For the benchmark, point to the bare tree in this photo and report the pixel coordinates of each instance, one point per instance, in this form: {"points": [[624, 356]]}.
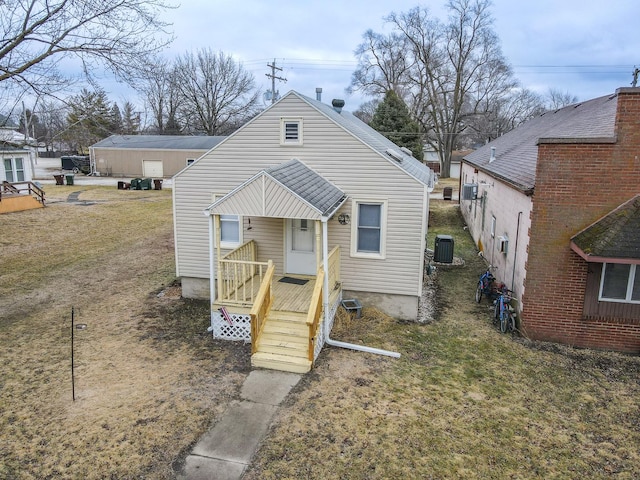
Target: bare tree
{"points": [[556, 99], [456, 72], [52, 114], [217, 94], [382, 65], [160, 90], [35, 35]]}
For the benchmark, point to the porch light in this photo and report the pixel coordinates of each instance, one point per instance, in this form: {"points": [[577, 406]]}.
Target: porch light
{"points": [[344, 219]]}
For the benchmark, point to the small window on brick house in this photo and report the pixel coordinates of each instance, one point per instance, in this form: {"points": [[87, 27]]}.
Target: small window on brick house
{"points": [[620, 283]]}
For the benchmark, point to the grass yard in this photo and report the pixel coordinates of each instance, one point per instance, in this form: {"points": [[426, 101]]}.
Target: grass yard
{"points": [[463, 401], [148, 379]]}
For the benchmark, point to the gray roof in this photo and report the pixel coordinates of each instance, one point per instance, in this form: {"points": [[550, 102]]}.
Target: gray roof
{"points": [[160, 142], [308, 185], [516, 152], [373, 139], [616, 235]]}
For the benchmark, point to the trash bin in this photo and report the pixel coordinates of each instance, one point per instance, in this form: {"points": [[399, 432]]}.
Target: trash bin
{"points": [[447, 193], [135, 184], [69, 179], [157, 184], [59, 179], [443, 249], [145, 184]]}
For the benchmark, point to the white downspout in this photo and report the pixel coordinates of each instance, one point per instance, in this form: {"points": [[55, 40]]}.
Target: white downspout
{"points": [[325, 303]]}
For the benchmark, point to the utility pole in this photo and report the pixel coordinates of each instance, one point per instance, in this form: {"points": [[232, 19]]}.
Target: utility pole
{"points": [[636, 71], [273, 78]]}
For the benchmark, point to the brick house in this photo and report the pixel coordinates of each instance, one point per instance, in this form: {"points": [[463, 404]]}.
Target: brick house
{"points": [[555, 206]]}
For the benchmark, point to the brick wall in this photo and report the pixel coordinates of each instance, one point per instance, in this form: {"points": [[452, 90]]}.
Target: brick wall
{"points": [[576, 184]]}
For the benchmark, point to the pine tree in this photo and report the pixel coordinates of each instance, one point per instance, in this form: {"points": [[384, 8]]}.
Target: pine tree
{"points": [[392, 119]]}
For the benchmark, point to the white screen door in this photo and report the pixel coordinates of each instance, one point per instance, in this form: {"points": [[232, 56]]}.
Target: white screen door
{"points": [[301, 253]]}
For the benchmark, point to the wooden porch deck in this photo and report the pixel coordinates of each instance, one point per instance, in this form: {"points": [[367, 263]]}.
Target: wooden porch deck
{"points": [[287, 297]]}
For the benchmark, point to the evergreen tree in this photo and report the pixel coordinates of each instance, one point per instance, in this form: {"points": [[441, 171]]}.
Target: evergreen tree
{"points": [[116, 119], [392, 119], [130, 120], [89, 119]]}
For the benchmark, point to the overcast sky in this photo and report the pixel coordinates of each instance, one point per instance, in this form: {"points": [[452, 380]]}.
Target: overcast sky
{"points": [[585, 47]]}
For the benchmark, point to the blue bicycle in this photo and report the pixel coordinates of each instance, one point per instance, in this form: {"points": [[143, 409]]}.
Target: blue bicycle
{"points": [[504, 312], [486, 285]]}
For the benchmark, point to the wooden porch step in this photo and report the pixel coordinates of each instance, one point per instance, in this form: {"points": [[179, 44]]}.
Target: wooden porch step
{"points": [[284, 328], [284, 347], [274, 337], [283, 363]]}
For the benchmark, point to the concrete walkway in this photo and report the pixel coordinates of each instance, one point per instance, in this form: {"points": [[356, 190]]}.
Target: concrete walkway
{"points": [[224, 452]]}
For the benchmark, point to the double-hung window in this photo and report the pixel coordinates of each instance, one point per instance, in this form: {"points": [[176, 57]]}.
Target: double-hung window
{"points": [[368, 231], [291, 131], [620, 283], [14, 169], [230, 229]]}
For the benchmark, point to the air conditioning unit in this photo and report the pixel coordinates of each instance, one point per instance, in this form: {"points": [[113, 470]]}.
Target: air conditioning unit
{"points": [[470, 191], [503, 244]]}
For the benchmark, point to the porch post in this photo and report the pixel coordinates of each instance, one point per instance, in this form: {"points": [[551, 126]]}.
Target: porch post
{"points": [[318, 245], [216, 219], [212, 268]]}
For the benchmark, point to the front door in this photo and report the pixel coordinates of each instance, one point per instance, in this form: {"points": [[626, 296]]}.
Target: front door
{"points": [[301, 252]]}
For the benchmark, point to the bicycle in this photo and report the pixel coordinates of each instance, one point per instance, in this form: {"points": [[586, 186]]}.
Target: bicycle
{"points": [[486, 284], [503, 312]]}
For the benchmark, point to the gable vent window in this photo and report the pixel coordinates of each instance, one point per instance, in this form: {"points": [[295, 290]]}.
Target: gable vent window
{"points": [[291, 131]]}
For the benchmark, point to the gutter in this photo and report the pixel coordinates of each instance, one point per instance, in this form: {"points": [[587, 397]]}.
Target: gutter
{"points": [[325, 304]]}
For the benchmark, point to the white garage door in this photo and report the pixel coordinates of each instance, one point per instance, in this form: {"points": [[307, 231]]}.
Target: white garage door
{"points": [[152, 168]]}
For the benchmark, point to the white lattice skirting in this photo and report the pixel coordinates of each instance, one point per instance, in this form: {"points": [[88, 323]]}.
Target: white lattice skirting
{"points": [[239, 329]]}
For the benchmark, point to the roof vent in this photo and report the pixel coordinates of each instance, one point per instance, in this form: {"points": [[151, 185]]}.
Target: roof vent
{"points": [[407, 151], [319, 94], [397, 156], [337, 104], [493, 154]]}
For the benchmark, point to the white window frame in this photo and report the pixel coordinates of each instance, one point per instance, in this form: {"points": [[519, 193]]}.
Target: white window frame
{"points": [[355, 204], [230, 218], [284, 121], [15, 171], [633, 271]]}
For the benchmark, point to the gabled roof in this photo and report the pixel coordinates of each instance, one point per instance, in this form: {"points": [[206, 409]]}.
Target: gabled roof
{"points": [[373, 139], [160, 142], [614, 236], [288, 190], [516, 152]]}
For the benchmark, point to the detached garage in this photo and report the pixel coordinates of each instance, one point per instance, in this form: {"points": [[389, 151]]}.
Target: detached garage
{"points": [[148, 156]]}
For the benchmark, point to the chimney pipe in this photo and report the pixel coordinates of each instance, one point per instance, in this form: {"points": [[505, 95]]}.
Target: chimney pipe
{"points": [[337, 104], [493, 154], [319, 94]]}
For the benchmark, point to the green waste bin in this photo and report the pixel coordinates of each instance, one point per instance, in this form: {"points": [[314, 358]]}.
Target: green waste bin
{"points": [[135, 184], [69, 179], [145, 184]]}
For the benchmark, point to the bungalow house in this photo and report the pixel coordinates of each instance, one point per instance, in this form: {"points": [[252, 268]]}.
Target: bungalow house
{"points": [[554, 206], [303, 205], [148, 156]]}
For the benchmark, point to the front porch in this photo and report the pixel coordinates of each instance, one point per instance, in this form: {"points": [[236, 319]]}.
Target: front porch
{"points": [[281, 315], [19, 196]]}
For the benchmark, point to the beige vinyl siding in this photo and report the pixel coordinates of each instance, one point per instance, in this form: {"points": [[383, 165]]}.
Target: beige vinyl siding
{"points": [[337, 156], [128, 162]]}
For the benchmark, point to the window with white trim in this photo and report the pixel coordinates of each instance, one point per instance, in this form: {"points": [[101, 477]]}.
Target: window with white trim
{"points": [[14, 169], [291, 131], [368, 229], [620, 282], [230, 229]]}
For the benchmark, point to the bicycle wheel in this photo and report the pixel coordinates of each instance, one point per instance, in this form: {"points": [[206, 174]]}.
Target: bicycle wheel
{"points": [[479, 292], [512, 322], [504, 320]]}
